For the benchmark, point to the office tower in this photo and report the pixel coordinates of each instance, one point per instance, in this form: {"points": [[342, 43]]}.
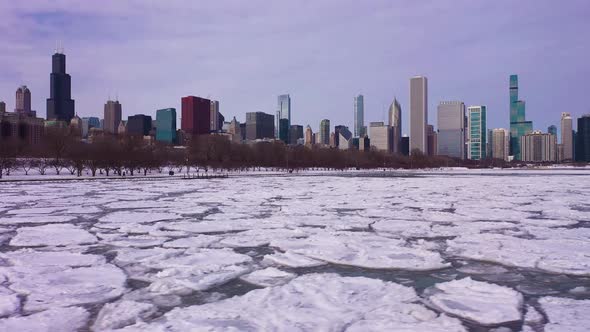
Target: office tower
{"points": [[518, 124], [538, 147], [431, 140], [122, 128], [345, 138], [418, 113], [76, 126], [113, 113], [308, 136], [405, 148], [60, 105], [259, 125], [325, 132], [395, 122], [295, 134], [567, 136], [23, 101], [2, 107], [196, 115], [500, 143], [552, 129], [166, 125], [583, 139], [451, 129], [139, 125], [235, 129], [359, 115], [215, 116], [20, 127], [332, 140], [283, 112], [477, 132], [381, 136], [284, 130], [364, 143], [337, 135]]}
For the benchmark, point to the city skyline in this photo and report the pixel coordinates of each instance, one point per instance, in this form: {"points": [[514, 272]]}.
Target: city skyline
{"points": [[379, 74]]}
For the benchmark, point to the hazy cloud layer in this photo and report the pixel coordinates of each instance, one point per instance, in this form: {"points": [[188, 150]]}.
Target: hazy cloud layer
{"points": [[245, 53]]}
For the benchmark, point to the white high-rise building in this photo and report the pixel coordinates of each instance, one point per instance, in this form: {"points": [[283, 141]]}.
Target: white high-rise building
{"points": [[567, 136], [381, 136], [451, 129], [418, 113], [500, 145]]}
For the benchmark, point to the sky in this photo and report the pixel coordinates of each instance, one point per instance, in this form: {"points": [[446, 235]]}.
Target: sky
{"points": [[323, 53]]}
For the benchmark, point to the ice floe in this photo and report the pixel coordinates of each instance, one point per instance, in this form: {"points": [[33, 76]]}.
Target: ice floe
{"points": [[51, 235], [268, 277], [122, 313], [53, 320], [566, 315], [481, 302]]}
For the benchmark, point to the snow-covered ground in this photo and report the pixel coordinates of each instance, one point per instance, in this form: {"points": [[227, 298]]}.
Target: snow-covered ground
{"points": [[438, 250]]}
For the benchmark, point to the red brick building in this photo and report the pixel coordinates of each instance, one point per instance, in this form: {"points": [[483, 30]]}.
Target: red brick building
{"points": [[196, 115]]}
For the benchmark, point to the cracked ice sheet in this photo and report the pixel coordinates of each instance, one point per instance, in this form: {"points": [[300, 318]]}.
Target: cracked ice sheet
{"points": [[315, 302], [51, 235], [481, 302], [363, 250], [566, 315], [553, 255]]}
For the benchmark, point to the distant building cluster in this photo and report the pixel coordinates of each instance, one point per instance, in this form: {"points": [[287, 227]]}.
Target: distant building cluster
{"points": [[461, 133]]}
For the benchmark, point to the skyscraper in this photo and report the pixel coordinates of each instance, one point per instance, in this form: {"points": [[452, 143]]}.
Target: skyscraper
{"points": [[284, 130], [518, 124], [477, 132], [552, 129], [166, 125], [113, 113], [381, 136], [23, 101], [418, 113], [583, 139], [2, 107], [325, 132], [308, 136], [345, 138], [431, 141], [395, 122], [359, 115], [60, 105], [451, 129], [283, 112], [235, 129], [295, 134], [139, 125], [196, 115], [500, 144], [567, 137], [259, 125], [215, 116], [538, 147]]}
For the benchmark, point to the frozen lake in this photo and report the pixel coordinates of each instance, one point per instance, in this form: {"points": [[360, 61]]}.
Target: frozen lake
{"points": [[455, 251]]}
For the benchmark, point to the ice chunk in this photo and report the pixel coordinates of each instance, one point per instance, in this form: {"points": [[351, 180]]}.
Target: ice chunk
{"points": [[9, 302], [199, 241], [51, 288], [291, 259], [51, 235], [481, 302], [49, 258], [35, 219], [138, 241], [120, 314], [363, 250], [138, 217], [315, 302], [53, 320], [566, 315], [268, 277]]}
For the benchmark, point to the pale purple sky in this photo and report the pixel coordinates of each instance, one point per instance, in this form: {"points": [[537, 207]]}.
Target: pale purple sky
{"points": [[323, 53]]}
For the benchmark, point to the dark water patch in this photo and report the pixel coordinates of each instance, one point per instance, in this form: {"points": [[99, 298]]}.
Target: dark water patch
{"points": [[257, 253], [235, 287], [137, 284]]}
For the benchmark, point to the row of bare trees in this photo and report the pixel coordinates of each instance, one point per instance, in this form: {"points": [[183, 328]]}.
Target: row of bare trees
{"points": [[129, 156]]}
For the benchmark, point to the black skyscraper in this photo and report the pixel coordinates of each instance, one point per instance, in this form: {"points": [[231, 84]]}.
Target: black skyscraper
{"points": [[60, 105]]}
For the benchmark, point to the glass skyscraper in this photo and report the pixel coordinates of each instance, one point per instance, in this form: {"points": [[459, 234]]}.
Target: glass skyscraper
{"points": [[359, 116], [166, 125], [518, 124], [477, 132], [283, 112]]}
